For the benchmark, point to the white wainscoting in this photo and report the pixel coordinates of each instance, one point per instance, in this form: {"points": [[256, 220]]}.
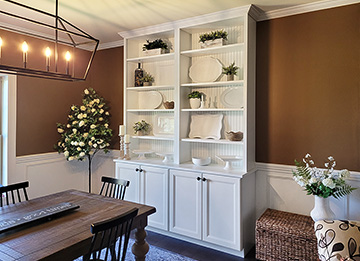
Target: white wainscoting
{"points": [[276, 189], [50, 172]]}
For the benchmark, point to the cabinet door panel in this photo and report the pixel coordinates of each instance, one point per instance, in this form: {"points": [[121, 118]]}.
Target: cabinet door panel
{"points": [[155, 193], [128, 172], [185, 203], [221, 205]]}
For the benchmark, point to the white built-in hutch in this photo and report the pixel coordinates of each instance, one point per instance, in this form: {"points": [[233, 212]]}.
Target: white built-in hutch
{"points": [[207, 205]]}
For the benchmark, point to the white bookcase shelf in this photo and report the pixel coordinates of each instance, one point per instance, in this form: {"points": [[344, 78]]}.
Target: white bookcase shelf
{"points": [[214, 50], [153, 58], [150, 137], [214, 109], [148, 88], [221, 141], [214, 84]]}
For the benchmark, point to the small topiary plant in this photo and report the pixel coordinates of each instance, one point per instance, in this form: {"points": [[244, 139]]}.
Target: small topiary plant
{"points": [[158, 43], [213, 35]]}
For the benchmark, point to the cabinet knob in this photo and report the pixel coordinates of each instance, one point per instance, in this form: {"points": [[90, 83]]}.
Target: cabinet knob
{"points": [[203, 179], [198, 178], [136, 169], [141, 170]]}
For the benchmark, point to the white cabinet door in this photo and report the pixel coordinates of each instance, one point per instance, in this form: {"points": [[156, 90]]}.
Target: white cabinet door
{"points": [[221, 210], [129, 172], [154, 192], [185, 203]]}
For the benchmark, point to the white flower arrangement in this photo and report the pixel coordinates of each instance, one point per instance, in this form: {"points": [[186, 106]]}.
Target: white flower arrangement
{"points": [[322, 182], [89, 133]]}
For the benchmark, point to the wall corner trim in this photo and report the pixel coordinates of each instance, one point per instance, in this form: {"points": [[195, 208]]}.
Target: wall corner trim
{"points": [[305, 8]]}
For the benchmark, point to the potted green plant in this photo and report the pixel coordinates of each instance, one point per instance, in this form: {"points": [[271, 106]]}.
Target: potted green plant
{"points": [[213, 39], [141, 128], [155, 47], [147, 80], [194, 99], [230, 71]]}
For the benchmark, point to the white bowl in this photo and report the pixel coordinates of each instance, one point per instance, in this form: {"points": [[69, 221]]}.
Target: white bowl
{"points": [[201, 161]]}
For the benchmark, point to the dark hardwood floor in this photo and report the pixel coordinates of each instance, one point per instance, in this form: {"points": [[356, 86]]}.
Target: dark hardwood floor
{"points": [[192, 250]]}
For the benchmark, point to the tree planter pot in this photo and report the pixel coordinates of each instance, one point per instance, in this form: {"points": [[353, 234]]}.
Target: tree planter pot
{"points": [[213, 43], [195, 103], [147, 83]]}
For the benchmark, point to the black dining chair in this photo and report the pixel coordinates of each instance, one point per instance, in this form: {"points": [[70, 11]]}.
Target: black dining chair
{"points": [[13, 192], [111, 237], [113, 187]]}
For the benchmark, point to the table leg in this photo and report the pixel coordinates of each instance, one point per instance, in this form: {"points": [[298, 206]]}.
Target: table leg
{"points": [[140, 247]]}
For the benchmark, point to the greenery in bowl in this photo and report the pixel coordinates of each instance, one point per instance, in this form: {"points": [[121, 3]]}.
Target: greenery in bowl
{"points": [[194, 95], [230, 70], [141, 126], [158, 43], [147, 78], [213, 35]]}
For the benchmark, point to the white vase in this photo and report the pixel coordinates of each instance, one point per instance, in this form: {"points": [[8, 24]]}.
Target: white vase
{"points": [[195, 103], [322, 210]]}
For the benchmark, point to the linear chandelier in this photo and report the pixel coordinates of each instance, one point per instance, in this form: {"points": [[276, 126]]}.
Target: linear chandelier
{"points": [[48, 48]]}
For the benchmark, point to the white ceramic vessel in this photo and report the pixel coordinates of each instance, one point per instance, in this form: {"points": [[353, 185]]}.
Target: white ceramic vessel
{"points": [[201, 161]]}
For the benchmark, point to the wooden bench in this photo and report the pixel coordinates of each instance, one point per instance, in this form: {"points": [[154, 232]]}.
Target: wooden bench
{"points": [[285, 236]]}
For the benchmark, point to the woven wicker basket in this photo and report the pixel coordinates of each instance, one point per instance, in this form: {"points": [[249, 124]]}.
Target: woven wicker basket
{"points": [[285, 236]]}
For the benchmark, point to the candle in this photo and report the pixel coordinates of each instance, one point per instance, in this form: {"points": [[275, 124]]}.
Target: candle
{"points": [[25, 48], [47, 55], [127, 138], [67, 58], [121, 129]]}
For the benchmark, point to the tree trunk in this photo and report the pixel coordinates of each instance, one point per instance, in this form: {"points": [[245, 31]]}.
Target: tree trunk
{"points": [[89, 173]]}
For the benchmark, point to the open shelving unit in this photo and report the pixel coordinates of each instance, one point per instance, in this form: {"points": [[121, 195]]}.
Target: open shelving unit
{"points": [[173, 83]]}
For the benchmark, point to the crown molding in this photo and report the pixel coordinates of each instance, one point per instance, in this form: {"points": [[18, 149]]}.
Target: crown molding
{"points": [[111, 45], [305, 8], [191, 21]]}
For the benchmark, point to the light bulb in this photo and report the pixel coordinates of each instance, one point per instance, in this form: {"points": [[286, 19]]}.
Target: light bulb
{"points": [[47, 52], [0, 41], [25, 47], [67, 56]]}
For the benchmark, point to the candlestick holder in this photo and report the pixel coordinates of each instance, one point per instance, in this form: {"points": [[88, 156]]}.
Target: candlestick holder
{"points": [[127, 151], [122, 151]]}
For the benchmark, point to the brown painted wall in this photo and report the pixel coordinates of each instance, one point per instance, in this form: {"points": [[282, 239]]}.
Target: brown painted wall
{"points": [[308, 87], [308, 91], [42, 103]]}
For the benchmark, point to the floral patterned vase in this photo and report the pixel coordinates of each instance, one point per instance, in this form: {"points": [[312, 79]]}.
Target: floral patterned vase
{"points": [[322, 210]]}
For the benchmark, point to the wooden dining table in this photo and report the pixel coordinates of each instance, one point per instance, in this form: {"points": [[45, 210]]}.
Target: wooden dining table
{"points": [[67, 235]]}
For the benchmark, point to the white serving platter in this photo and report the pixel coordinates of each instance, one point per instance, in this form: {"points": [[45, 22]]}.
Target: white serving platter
{"points": [[207, 69], [163, 126], [150, 100], [232, 98]]}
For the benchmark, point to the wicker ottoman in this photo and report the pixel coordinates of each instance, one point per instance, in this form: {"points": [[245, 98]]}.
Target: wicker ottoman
{"points": [[285, 236]]}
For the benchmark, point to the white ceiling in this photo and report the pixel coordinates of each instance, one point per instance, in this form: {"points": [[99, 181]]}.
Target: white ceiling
{"points": [[104, 19]]}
